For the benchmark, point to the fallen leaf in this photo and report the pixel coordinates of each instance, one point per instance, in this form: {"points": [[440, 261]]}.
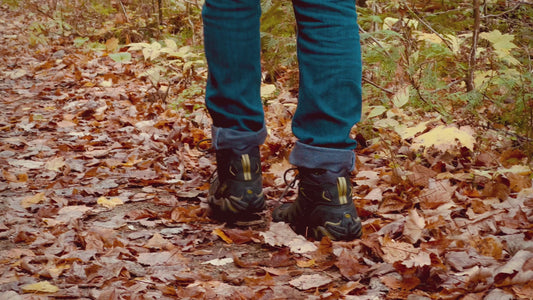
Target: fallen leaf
{"points": [[418, 260], [394, 251], [163, 258], [220, 233], [305, 263], [29, 164], [369, 178], [437, 193], [158, 242], [55, 164], [219, 261], [350, 267], [40, 287], [267, 90], [109, 203], [306, 282], [414, 226], [35, 199], [444, 138], [280, 234], [72, 212]]}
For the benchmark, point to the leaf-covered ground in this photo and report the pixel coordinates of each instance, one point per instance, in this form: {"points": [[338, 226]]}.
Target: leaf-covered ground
{"points": [[103, 197]]}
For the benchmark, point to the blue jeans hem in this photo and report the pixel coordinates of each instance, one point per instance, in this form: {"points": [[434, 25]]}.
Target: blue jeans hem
{"points": [[331, 159], [227, 138]]}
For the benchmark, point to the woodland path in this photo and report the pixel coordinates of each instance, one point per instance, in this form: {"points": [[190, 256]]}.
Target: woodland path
{"points": [[103, 197]]}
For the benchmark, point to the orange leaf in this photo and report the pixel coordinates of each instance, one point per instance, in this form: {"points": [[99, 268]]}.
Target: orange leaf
{"points": [[222, 235]]}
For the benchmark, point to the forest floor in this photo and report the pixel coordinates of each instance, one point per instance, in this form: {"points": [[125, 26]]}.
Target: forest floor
{"points": [[103, 196]]}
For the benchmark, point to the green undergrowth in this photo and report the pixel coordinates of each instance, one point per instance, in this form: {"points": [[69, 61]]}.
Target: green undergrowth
{"points": [[419, 52]]}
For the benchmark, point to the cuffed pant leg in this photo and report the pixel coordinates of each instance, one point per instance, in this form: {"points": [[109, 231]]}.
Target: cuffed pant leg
{"points": [[329, 102]]}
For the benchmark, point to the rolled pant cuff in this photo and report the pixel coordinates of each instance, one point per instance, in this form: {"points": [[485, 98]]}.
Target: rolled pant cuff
{"points": [[313, 157], [227, 138]]}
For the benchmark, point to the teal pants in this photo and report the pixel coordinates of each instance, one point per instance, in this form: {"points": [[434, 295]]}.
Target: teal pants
{"points": [[329, 60]]}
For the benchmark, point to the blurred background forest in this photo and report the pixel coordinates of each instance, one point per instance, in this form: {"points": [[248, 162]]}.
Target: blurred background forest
{"points": [[468, 62]]}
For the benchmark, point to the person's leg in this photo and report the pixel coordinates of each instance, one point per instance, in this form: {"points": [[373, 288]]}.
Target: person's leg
{"points": [[232, 49], [329, 102], [329, 105]]}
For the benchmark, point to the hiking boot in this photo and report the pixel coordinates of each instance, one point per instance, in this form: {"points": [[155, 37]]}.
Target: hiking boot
{"points": [[236, 191], [323, 207]]}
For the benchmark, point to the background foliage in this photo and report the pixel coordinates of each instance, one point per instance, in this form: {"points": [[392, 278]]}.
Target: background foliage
{"points": [[423, 48]]}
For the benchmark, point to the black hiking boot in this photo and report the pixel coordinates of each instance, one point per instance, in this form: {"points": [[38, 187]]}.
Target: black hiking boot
{"points": [[236, 191], [323, 207]]}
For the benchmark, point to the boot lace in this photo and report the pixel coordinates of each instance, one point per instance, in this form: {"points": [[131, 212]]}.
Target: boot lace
{"points": [[291, 184]]}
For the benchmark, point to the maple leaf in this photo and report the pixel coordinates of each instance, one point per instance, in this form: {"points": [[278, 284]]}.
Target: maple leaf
{"points": [[502, 44], [394, 251]]}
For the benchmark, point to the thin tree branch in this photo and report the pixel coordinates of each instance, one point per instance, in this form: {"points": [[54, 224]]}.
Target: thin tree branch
{"points": [[501, 14], [472, 62], [377, 86], [124, 11], [428, 26], [375, 41]]}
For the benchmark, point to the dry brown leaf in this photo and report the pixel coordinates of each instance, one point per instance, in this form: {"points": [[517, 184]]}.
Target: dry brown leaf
{"points": [[420, 175], [418, 260], [394, 251], [280, 234], [31, 200], [350, 267], [414, 226], [73, 212], [163, 258], [306, 282], [158, 242], [436, 194], [55, 164]]}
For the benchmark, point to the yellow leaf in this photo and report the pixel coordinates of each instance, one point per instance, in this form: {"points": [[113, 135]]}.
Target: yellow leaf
{"points": [[428, 37], [106, 83], [111, 45], [109, 203], [30, 200], [171, 44], [401, 97], [376, 111], [444, 138], [40, 287], [305, 263], [267, 90], [409, 132]]}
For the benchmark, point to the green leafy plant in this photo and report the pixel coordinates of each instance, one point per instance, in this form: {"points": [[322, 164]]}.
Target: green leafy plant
{"points": [[169, 63]]}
